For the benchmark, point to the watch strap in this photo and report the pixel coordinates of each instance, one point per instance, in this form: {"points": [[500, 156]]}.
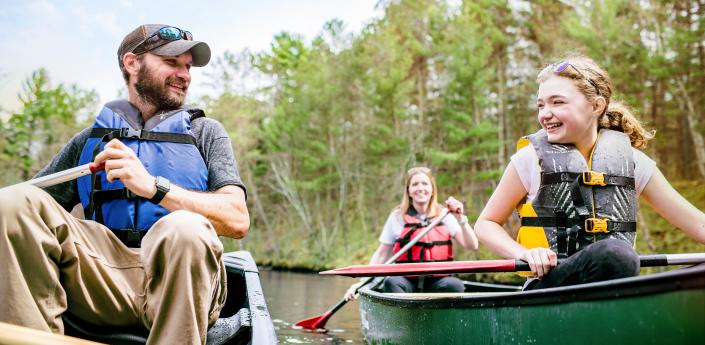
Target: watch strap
{"points": [[163, 185]]}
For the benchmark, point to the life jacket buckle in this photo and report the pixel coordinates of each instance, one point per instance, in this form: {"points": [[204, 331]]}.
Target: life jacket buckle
{"points": [[595, 225], [594, 178], [131, 133]]}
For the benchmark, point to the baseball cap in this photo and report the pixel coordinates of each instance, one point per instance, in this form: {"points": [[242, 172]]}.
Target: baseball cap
{"points": [[149, 38]]}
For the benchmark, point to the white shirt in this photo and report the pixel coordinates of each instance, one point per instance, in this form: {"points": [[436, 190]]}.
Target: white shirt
{"points": [[526, 163], [395, 224]]}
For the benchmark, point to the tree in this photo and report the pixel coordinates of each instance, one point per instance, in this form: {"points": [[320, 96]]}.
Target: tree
{"points": [[50, 115]]}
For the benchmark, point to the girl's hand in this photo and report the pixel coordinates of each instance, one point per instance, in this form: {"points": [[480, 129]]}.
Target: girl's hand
{"points": [[541, 260]]}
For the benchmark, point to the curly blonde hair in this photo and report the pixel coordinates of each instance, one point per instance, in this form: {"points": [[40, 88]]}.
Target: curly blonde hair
{"points": [[592, 81]]}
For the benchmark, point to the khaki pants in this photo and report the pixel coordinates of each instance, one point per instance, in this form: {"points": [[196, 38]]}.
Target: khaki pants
{"points": [[52, 262]]}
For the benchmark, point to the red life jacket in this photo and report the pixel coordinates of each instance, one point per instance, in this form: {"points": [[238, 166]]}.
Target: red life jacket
{"points": [[434, 246]]}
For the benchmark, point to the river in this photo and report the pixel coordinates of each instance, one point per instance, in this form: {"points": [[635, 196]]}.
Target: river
{"points": [[293, 296]]}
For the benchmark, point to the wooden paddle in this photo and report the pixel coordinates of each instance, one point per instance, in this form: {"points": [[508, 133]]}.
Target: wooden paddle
{"points": [[423, 268], [319, 322], [63, 176]]}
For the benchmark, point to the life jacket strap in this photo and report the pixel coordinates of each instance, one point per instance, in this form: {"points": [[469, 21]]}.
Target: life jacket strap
{"points": [[588, 178], [108, 134], [590, 225], [101, 196], [130, 237]]}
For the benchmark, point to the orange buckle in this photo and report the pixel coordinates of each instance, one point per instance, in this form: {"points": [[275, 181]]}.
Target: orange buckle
{"points": [[593, 178], [595, 225]]}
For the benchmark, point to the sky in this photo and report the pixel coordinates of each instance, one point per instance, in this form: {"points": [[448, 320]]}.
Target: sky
{"points": [[77, 40]]}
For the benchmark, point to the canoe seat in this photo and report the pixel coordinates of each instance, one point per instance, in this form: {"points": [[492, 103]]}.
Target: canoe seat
{"points": [[232, 327], [221, 332]]}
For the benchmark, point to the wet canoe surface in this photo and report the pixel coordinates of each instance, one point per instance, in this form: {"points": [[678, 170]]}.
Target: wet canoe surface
{"points": [[662, 308]]}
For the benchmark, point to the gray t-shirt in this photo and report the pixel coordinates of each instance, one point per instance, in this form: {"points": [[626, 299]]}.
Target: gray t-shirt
{"points": [[212, 141]]}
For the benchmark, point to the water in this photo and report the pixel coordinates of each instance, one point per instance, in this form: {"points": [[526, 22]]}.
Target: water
{"points": [[292, 297]]}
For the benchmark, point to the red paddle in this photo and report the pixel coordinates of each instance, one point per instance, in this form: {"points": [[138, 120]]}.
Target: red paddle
{"points": [[319, 322], [422, 268]]}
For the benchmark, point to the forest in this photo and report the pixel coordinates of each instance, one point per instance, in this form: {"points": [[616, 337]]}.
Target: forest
{"points": [[325, 129]]}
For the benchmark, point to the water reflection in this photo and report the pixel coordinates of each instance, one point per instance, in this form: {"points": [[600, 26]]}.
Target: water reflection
{"points": [[292, 297]]}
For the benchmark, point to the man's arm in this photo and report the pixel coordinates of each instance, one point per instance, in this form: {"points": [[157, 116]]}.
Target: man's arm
{"points": [[225, 208]]}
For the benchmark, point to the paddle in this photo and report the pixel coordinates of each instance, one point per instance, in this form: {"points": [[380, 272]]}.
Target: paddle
{"points": [[63, 176], [318, 322], [423, 268]]}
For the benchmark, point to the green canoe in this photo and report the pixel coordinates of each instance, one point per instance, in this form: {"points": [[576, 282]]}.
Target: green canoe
{"points": [[662, 308]]}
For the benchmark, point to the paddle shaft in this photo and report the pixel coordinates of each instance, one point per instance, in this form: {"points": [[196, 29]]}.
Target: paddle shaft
{"points": [[320, 321], [424, 268], [404, 249], [63, 176]]}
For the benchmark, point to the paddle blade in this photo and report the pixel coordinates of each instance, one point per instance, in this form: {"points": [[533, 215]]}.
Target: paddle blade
{"points": [[422, 268], [316, 322]]}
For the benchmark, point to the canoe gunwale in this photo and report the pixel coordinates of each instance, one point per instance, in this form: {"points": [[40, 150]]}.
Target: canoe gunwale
{"points": [[681, 279]]}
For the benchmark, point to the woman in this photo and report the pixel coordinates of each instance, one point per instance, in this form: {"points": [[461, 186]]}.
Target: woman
{"points": [[580, 177], [419, 206]]}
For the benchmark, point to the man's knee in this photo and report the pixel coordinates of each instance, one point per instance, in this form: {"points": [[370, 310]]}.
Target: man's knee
{"points": [[188, 230], [15, 203], [16, 198]]}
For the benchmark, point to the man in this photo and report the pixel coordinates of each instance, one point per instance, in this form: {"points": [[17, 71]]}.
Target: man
{"points": [[150, 257]]}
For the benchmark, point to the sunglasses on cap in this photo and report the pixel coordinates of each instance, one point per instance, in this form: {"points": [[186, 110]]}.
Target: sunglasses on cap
{"points": [[562, 66], [167, 34]]}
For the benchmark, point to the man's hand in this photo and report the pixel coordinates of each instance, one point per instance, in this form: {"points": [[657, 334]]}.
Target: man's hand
{"points": [[122, 164]]}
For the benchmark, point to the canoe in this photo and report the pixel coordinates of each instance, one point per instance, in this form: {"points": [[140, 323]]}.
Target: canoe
{"points": [[244, 319], [661, 308]]}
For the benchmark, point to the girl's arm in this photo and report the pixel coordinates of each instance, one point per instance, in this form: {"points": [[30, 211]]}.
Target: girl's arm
{"points": [[672, 206], [502, 203]]}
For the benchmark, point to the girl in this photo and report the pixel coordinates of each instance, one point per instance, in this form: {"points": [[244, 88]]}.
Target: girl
{"points": [[579, 179]]}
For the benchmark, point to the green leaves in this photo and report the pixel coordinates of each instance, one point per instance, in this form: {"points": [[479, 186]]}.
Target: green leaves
{"points": [[50, 115]]}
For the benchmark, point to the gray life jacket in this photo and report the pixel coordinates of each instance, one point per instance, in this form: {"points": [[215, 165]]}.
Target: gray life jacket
{"points": [[579, 202]]}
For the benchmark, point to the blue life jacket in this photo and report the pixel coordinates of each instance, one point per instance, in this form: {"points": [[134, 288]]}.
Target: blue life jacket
{"points": [[167, 149]]}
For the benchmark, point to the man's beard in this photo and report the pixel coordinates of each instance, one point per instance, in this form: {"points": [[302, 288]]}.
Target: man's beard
{"points": [[156, 93]]}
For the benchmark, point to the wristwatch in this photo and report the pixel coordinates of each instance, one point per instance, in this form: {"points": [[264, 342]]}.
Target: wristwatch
{"points": [[163, 185]]}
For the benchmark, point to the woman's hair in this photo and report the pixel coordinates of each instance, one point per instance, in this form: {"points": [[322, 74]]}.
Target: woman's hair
{"points": [[592, 81], [433, 208]]}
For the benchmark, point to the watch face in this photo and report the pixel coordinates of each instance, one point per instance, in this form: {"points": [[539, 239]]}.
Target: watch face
{"points": [[162, 183]]}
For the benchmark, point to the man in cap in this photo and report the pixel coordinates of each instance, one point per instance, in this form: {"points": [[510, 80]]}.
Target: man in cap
{"points": [[149, 255]]}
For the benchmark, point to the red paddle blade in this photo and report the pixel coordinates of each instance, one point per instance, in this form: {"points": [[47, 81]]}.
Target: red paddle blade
{"points": [[316, 322], [421, 268]]}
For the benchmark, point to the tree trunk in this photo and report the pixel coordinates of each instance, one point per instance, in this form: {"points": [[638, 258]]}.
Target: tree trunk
{"points": [[691, 119]]}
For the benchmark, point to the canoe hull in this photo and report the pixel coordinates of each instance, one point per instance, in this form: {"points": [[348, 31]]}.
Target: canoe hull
{"points": [[665, 308]]}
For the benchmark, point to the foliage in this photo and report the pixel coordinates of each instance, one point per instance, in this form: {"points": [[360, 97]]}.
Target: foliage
{"points": [[448, 85], [325, 129], [50, 115]]}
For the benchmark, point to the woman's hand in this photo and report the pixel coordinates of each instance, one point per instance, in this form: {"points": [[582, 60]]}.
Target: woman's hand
{"points": [[455, 207], [352, 291], [541, 260]]}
